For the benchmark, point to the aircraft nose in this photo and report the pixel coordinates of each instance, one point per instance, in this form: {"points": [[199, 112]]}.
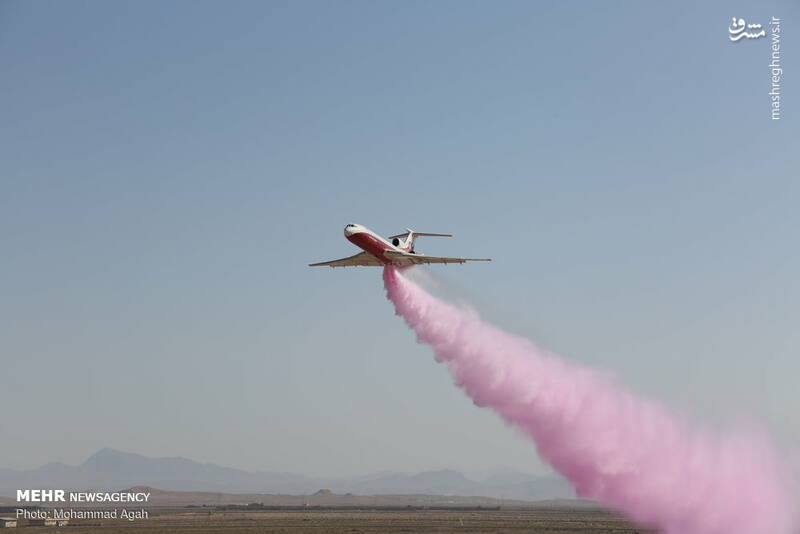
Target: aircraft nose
{"points": [[350, 229]]}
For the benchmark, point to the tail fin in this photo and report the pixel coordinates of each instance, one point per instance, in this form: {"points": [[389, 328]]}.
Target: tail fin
{"points": [[410, 235]]}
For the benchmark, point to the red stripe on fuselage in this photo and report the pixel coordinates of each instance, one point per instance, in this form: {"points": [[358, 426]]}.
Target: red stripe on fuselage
{"points": [[371, 244]]}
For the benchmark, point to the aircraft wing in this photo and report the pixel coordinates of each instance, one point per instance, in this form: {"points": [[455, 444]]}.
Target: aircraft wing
{"points": [[406, 258], [362, 258]]}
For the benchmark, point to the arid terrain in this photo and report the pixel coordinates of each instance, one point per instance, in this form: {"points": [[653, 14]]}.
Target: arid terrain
{"points": [[327, 512], [354, 521]]}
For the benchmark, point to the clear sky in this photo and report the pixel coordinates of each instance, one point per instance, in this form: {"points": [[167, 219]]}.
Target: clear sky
{"points": [[168, 170]]}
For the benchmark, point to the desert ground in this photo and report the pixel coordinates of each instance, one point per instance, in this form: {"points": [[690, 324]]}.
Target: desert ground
{"points": [[355, 521]]}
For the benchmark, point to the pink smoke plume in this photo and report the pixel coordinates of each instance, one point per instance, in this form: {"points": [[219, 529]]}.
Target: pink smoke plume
{"points": [[628, 453]]}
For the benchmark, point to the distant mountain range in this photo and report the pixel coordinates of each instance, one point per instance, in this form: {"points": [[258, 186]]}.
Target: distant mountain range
{"points": [[112, 469]]}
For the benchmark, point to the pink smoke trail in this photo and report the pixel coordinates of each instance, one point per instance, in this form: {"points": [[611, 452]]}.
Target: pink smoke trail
{"points": [[628, 453]]}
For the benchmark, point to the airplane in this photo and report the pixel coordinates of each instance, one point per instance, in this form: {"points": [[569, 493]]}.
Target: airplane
{"points": [[393, 250]]}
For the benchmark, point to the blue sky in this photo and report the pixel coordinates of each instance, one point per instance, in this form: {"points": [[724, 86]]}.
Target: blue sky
{"points": [[168, 170]]}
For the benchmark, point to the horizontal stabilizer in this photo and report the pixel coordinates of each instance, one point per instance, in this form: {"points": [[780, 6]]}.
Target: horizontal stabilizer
{"points": [[417, 234]]}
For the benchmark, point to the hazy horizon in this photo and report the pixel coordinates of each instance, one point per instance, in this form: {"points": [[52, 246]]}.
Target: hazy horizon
{"points": [[497, 469]]}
